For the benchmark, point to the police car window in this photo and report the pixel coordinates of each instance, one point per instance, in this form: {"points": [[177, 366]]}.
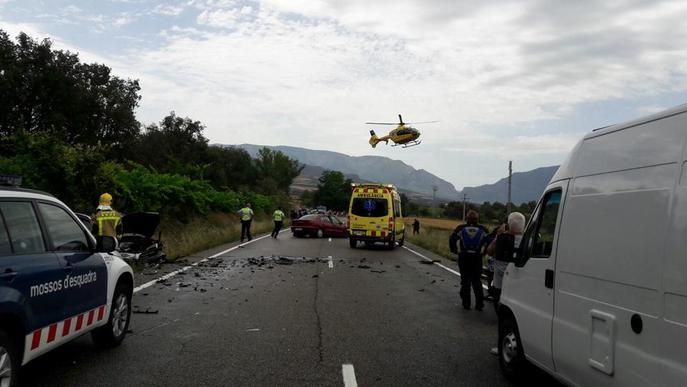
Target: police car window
{"points": [[65, 233], [369, 207], [5, 246], [546, 228], [22, 226]]}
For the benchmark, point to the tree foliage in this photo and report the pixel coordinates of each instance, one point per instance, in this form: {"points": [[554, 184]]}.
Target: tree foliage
{"points": [[50, 91], [333, 191], [69, 128]]}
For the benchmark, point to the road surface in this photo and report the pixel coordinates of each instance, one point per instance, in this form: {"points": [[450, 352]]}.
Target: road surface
{"points": [[250, 318]]}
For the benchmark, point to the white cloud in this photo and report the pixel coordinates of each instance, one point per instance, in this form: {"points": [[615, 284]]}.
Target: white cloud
{"points": [[123, 20], [168, 9], [221, 18]]}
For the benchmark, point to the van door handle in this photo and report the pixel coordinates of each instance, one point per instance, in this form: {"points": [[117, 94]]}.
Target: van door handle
{"points": [[8, 275], [548, 278]]}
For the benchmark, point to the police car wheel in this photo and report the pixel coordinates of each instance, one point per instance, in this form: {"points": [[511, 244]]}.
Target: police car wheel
{"points": [[112, 333], [9, 361], [511, 355]]}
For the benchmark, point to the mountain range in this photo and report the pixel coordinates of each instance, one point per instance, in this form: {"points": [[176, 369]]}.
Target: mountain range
{"points": [[416, 183]]}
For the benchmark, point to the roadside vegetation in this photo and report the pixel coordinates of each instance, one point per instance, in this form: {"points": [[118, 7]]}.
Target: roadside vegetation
{"points": [[69, 128]]}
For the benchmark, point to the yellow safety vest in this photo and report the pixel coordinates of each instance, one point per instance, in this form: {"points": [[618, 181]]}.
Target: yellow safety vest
{"points": [[278, 216], [246, 214], [107, 223]]}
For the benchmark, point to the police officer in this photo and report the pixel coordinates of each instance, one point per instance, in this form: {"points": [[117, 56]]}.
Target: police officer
{"points": [[467, 240], [106, 223], [246, 214], [278, 217]]}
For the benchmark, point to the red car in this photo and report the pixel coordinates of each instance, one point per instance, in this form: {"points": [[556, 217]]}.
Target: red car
{"points": [[319, 225]]}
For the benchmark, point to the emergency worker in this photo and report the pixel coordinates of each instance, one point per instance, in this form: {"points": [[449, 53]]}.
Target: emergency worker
{"points": [[467, 240], [107, 223], [246, 214], [278, 218]]}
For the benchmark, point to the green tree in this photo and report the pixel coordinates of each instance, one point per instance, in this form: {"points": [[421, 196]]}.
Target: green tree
{"points": [[50, 91], [176, 145], [276, 171], [333, 191]]}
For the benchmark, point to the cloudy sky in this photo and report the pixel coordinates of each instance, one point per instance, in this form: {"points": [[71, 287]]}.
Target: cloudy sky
{"points": [[520, 80]]}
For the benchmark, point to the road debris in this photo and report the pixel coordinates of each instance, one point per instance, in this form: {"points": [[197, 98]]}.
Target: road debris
{"points": [[146, 311]]}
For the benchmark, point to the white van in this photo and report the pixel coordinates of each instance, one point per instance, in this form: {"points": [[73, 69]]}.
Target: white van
{"points": [[598, 294]]}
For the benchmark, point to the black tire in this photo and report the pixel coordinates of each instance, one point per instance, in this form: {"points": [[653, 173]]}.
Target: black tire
{"points": [[9, 360], [112, 334], [391, 244], [297, 235], [402, 240], [511, 355], [353, 243]]}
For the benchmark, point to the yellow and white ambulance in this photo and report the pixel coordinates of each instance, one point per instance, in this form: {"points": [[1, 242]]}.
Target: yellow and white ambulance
{"points": [[375, 215]]}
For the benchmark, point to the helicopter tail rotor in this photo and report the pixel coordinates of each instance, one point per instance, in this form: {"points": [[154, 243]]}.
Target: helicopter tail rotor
{"points": [[374, 140]]}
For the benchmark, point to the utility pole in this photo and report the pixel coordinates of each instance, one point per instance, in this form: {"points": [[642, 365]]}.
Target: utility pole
{"points": [[465, 199], [510, 184]]}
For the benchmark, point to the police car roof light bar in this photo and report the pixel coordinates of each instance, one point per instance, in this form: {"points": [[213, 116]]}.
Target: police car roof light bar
{"points": [[10, 180]]}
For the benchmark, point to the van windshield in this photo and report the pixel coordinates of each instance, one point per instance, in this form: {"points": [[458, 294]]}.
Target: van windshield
{"points": [[370, 208]]}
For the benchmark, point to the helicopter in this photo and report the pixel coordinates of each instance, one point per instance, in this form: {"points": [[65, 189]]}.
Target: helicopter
{"points": [[403, 135]]}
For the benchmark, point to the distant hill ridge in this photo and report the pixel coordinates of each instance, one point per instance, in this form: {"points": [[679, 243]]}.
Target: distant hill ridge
{"points": [[417, 183], [527, 186], [370, 168]]}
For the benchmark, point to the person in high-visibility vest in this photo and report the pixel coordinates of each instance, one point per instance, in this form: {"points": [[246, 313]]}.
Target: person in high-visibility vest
{"points": [[246, 214], [278, 217], [107, 223]]}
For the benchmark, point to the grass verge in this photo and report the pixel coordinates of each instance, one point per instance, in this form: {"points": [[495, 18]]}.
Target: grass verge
{"points": [[431, 238], [204, 232]]}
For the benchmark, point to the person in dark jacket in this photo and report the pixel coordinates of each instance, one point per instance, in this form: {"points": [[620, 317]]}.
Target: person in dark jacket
{"points": [[416, 226], [504, 248], [467, 240]]}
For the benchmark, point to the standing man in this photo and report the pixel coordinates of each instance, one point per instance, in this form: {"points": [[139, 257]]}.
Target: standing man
{"points": [[106, 223], [467, 241], [246, 214], [416, 227], [278, 217]]}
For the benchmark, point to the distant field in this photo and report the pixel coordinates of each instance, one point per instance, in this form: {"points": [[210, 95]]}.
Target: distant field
{"points": [[444, 224]]}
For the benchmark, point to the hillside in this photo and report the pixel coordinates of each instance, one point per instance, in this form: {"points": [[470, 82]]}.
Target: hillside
{"points": [[527, 186], [369, 168]]}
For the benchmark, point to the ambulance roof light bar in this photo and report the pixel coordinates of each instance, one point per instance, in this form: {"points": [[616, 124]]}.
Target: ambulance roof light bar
{"points": [[10, 180]]}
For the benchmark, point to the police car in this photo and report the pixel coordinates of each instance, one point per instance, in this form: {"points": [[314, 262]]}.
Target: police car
{"points": [[54, 285]]}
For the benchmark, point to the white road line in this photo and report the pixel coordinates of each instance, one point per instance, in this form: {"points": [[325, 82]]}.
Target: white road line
{"points": [[183, 269], [438, 264], [348, 375], [331, 262]]}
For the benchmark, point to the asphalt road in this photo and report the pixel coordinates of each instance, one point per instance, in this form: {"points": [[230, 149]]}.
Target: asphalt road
{"points": [[250, 318]]}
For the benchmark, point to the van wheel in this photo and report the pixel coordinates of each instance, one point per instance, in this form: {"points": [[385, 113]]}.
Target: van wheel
{"points": [[511, 355], [112, 334], [402, 240], [9, 361], [391, 244], [320, 233], [353, 243]]}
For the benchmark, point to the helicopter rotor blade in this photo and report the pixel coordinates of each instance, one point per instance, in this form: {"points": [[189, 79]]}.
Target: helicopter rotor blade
{"points": [[381, 123], [422, 122]]}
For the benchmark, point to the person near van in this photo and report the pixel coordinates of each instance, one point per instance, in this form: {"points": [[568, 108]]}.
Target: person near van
{"points": [[416, 226], [490, 264], [503, 248], [278, 218], [467, 240], [107, 223], [246, 214]]}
